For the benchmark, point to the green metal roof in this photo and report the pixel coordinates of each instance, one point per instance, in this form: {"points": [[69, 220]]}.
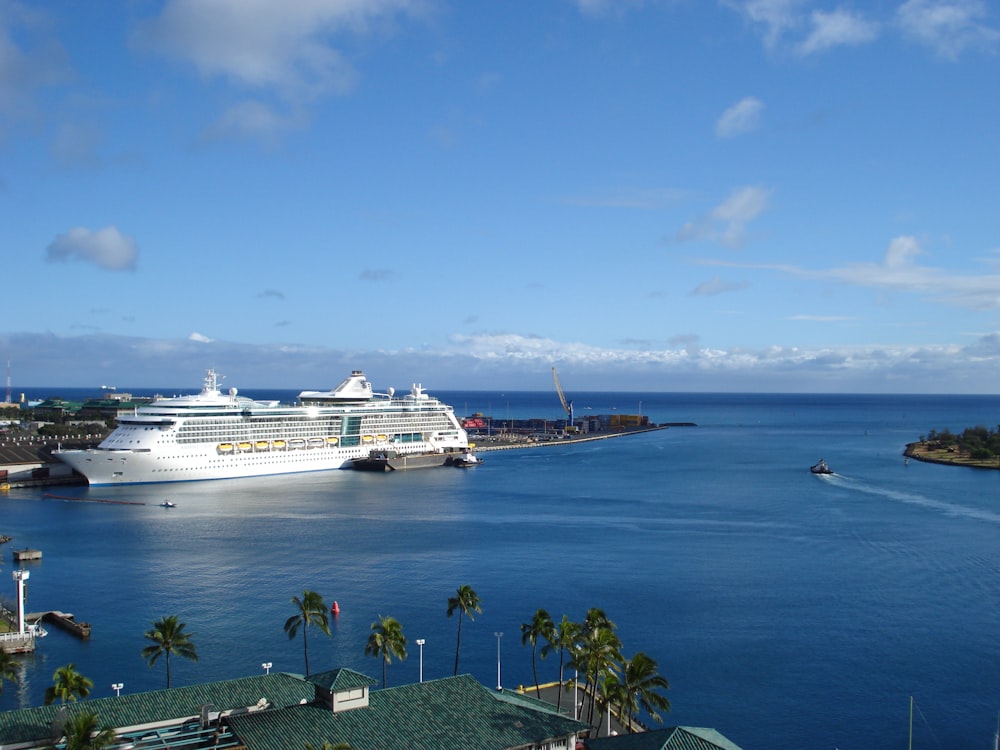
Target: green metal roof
{"points": [[174, 705], [341, 679], [672, 738], [451, 712]]}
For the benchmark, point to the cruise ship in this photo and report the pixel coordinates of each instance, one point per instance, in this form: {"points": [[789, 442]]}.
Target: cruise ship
{"points": [[216, 435]]}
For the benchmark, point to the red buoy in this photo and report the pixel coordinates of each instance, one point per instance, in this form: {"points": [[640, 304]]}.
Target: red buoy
{"points": [[335, 608]]}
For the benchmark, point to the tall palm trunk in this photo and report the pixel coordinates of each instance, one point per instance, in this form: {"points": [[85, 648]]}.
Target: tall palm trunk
{"points": [[458, 642]]}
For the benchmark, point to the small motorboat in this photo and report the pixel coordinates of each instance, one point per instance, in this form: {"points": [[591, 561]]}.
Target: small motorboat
{"points": [[168, 504], [821, 468], [466, 459]]}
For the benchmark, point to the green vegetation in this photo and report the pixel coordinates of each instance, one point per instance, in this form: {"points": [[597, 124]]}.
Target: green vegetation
{"points": [[386, 640], [67, 685], [310, 610], [540, 627], [466, 603], [168, 637], [977, 447], [978, 442], [595, 651], [81, 732]]}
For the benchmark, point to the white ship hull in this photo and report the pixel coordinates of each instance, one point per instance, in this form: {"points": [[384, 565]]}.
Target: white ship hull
{"points": [[217, 436]]}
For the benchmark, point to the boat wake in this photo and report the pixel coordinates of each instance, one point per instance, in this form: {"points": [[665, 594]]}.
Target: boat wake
{"points": [[912, 498]]}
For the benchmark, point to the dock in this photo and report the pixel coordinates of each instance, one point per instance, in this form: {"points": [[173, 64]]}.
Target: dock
{"points": [[63, 620]]}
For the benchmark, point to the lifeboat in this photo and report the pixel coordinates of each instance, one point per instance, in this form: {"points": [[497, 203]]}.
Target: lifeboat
{"points": [[245, 446], [261, 445], [225, 447], [366, 438], [380, 438], [278, 444], [316, 442], [297, 443], [332, 440]]}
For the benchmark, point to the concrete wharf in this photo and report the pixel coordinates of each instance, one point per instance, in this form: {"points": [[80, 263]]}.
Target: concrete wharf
{"points": [[64, 620], [501, 442]]}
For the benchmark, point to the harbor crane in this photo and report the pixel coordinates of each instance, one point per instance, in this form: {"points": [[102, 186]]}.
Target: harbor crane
{"points": [[566, 405]]}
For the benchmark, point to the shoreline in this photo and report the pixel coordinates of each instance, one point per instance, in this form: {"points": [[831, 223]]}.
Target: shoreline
{"points": [[920, 452], [570, 439]]}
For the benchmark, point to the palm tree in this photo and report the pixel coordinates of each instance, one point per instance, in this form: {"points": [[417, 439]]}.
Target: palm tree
{"points": [[168, 637], [466, 601], [81, 733], [8, 668], [638, 687], [541, 626], [68, 685], [386, 640], [562, 638], [311, 610], [599, 650]]}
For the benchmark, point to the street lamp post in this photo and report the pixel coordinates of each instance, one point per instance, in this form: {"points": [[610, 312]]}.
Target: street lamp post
{"points": [[266, 666], [421, 642], [498, 635], [117, 687]]}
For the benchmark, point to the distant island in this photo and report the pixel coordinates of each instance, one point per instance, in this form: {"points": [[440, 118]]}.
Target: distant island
{"points": [[978, 447]]}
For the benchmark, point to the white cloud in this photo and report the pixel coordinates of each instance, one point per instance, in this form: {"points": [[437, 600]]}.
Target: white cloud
{"points": [[947, 26], [898, 272], [835, 29], [717, 286], [727, 222], [107, 248], [742, 117], [200, 338], [255, 120], [781, 21], [284, 47], [775, 17]]}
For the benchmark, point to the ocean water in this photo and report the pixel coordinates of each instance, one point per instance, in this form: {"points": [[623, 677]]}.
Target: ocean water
{"points": [[786, 610]]}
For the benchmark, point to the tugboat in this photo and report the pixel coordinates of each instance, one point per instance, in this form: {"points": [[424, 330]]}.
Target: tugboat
{"points": [[168, 504], [821, 468], [466, 459]]}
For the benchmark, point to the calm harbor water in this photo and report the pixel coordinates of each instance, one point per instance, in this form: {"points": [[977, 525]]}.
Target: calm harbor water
{"points": [[787, 610]]}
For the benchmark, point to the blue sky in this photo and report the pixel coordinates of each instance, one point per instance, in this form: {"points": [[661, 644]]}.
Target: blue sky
{"points": [[713, 195]]}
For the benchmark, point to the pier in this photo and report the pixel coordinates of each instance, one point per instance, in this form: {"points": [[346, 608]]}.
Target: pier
{"points": [[22, 555], [63, 620]]}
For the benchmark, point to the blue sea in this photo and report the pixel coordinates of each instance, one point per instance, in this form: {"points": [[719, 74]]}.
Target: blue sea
{"points": [[787, 610]]}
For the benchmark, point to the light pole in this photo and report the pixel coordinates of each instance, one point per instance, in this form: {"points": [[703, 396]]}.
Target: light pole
{"points": [[421, 642], [117, 687], [21, 575], [498, 635], [266, 666]]}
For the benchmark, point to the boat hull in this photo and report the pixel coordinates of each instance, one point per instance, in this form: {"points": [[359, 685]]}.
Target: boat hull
{"points": [[102, 467]]}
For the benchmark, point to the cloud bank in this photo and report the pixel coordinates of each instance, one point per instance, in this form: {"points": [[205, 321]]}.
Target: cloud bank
{"points": [[507, 361]]}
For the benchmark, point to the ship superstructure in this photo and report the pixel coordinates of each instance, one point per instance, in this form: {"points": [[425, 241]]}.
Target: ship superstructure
{"points": [[216, 435]]}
